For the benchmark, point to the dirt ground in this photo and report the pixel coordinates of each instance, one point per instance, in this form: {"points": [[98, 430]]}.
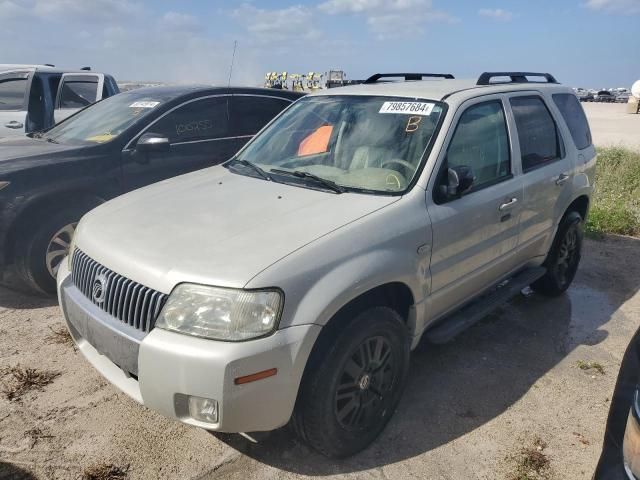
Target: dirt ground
{"points": [[612, 125], [509, 382]]}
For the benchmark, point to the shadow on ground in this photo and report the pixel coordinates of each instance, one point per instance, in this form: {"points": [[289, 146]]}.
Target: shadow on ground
{"points": [[9, 471], [455, 388], [14, 294]]}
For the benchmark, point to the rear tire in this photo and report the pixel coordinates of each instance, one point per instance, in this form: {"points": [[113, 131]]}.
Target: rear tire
{"points": [[563, 258], [350, 393], [43, 248]]}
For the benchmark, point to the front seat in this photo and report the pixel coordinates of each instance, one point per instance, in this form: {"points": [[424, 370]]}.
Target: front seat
{"points": [[367, 157]]}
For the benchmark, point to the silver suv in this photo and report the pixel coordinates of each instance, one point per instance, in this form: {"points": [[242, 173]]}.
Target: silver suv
{"points": [[290, 284]]}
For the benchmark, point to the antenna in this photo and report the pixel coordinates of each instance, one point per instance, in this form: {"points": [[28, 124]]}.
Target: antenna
{"points": [[233, 57]]}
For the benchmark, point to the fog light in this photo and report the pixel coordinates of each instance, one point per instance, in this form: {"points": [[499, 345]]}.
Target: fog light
{"points": [[203, 409]]}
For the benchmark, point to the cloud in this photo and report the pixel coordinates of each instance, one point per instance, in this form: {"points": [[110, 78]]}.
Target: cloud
{"points": [[121, 37], [334, 7], [279, 25], [615, 6], [496, 14], [180, 21], [390, 18]]}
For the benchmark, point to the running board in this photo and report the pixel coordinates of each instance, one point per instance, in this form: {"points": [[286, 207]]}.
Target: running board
{"points": [[470, 314]]}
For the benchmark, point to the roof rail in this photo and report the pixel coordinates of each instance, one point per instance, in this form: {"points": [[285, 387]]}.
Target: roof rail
{"points": [[87, 69], [407, 76], [516, 77], [49, 65]]}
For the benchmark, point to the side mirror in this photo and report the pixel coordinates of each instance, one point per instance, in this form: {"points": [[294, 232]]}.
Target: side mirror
{"points": [[459, 180], [151, 142]]}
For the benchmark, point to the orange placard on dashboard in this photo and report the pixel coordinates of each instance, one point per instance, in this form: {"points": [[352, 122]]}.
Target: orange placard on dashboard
{"points": [[317, 142]]}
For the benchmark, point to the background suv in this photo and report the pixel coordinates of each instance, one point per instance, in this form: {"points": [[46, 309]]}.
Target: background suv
{"points": [[35, 97], [291, 283]]}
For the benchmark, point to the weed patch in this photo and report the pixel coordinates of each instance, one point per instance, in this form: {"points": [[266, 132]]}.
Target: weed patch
{"points": [[590, 366], [616, 201], [23, 380], [531, 463]]}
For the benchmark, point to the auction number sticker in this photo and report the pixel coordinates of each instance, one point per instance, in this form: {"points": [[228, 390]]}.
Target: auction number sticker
{"points": [[143, 104], [408, 108]]}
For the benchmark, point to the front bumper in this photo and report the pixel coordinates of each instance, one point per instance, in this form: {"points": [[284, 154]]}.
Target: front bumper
{"points": [[162, 369]]}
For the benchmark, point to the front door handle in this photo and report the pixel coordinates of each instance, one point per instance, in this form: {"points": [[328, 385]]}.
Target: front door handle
{"points": [[508, 205], [14, 124], [562, 179]]}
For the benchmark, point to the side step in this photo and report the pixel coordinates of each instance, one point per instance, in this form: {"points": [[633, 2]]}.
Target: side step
{"points": [[475, 311]]}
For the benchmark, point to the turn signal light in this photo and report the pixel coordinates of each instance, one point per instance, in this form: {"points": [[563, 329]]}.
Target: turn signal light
{"points": [[255, 376]]}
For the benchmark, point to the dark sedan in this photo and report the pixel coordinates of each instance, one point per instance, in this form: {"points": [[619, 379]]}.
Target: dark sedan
{"points": [[49, 180]]}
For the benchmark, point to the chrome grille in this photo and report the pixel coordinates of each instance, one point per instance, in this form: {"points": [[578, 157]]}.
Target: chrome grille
{"points": [[124, 299]]}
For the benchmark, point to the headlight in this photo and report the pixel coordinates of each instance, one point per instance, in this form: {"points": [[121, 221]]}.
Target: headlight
{"points": [[4, 184], [221, 313]]}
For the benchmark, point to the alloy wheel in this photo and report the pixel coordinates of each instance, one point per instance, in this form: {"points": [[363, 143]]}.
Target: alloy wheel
{"points": [[366, 384], [58, 248], [567, 256]]}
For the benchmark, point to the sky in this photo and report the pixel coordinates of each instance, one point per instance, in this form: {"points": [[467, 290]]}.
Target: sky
{"points": [[584, 43]]}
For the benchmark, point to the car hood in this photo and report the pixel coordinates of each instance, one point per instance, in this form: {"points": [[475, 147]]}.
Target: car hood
{"points": [[213, 227], [20, 152]]}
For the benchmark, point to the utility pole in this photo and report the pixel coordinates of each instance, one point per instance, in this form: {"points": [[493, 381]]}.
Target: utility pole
{"points": [[233, 57]]}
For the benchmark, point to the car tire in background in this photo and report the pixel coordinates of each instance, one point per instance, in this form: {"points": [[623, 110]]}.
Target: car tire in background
{"points": [[563, 258], [353, 385], [44, 245]]}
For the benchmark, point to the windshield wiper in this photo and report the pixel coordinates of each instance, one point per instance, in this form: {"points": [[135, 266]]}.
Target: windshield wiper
{"points": [[51, 140], [333, 186], [253, 167]]}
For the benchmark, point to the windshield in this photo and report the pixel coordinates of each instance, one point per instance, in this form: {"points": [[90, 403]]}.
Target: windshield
{"points": [[103, 121], [372, 144]]}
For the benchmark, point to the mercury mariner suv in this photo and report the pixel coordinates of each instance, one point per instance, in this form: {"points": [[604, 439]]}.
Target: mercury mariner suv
{"points": [[290, 284]]}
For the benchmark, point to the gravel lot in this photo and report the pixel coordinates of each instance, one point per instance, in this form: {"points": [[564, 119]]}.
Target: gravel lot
{"points": [[471, 406], [611, 125]]}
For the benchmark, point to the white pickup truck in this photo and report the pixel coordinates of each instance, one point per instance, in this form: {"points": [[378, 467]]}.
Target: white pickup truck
{"points": [[36, 97]]}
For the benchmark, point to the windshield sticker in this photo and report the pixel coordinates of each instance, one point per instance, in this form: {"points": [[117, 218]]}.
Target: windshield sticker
{"points": [[143, 104], [407, 108]]}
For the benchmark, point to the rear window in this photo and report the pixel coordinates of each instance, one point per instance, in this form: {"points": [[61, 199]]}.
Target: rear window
{"points": [[78, 94], [537, 132], [573, 114], [251, 113], [12, 93]]}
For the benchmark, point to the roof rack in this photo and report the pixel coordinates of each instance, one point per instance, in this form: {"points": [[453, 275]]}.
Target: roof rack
{"points": [[516, 77], [407, 76]]}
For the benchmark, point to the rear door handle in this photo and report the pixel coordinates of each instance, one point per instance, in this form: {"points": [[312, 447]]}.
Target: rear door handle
{"points": [[14, 124], [562, 179], [508, 205]]}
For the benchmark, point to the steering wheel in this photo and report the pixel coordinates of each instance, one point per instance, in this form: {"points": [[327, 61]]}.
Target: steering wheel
{"points": [[403, 163]]}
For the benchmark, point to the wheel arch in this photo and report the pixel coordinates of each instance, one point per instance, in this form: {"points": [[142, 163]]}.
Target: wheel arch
{"points": [[395, 295], [23, 223], [581, 205]]}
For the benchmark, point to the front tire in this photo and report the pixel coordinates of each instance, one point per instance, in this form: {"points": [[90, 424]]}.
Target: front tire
{"points": [[350, 394], [42, 249], [563, 258]]}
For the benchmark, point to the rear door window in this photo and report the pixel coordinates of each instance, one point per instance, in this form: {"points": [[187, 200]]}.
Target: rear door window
{"points": [[78, 94], [575, 118], [203, 119], [251, 113], [12, 92], [537, 132]]}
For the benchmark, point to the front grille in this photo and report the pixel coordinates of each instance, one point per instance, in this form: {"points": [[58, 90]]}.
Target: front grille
{"points": [[124, 299]]}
